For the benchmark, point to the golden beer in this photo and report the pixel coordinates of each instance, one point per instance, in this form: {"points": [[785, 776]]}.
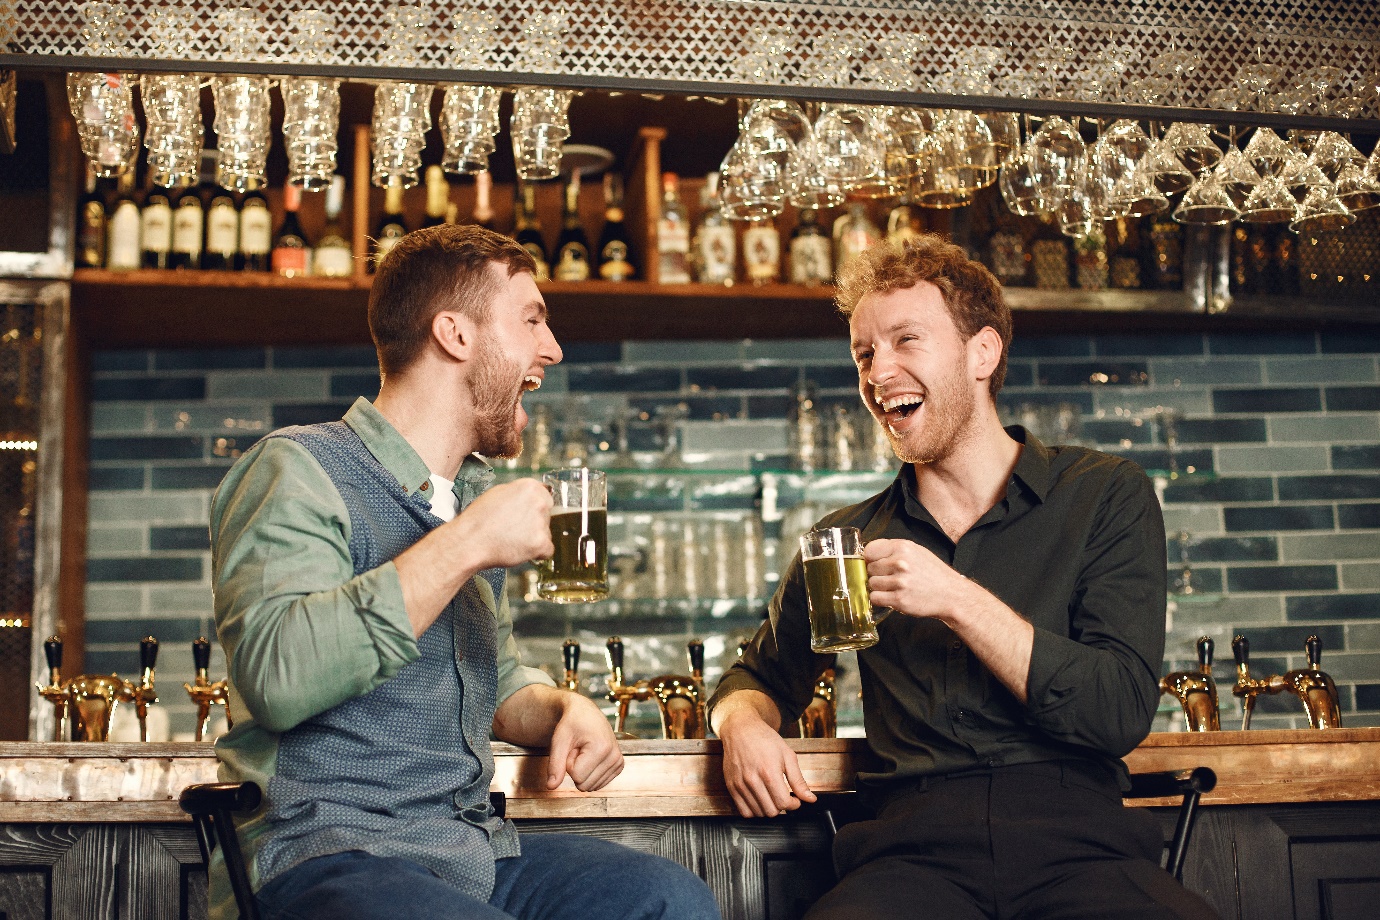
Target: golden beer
{"points": [[578, 571], [840, 613]]}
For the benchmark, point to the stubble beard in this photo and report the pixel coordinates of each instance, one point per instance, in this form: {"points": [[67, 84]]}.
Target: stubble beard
{"points": [[949, 411], [496, 389]]}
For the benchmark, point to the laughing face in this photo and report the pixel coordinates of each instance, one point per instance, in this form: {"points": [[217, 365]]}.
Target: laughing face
{"points": [[512, 352], [915, 371]]}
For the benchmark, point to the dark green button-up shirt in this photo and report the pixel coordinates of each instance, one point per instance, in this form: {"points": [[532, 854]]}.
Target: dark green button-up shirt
{"points": [[1076, 547]]}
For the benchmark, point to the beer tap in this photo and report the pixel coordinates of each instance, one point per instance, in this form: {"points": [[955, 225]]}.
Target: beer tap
{"points": [[205, 693], [1314, 688], [820, 719], [55, 692], [1196, 691], [570, 653], [144, 693], [679, 697], [86, 704]]}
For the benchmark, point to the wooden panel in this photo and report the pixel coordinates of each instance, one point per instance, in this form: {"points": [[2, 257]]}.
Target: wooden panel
{"points": [[158, 857], [768, 870]]}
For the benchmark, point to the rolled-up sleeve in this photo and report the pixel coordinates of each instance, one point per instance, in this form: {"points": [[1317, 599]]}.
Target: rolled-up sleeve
{"points": [[1098, 687], [302, 632]]}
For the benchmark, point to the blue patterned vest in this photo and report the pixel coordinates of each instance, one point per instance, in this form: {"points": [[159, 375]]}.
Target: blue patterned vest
{"points": [[404, 770]]}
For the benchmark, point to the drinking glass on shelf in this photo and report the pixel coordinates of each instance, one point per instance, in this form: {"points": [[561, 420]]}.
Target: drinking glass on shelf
{"points": [[1357, 188], [103, 106], [1270, 202], [577, 571], [1165, 169], [1322, 212], [1267, 152], [540, 126], [1193, 145], [173, 138], [469, 121], [1206, 203], [836, 587], [311, 105], [401, 118], [242, 130]]}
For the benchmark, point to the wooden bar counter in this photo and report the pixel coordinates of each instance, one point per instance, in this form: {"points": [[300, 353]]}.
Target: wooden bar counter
{"points": [[1291, 831]]}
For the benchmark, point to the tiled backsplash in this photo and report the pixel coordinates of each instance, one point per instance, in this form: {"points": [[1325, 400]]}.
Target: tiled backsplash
{"points": [[1275, 509]]}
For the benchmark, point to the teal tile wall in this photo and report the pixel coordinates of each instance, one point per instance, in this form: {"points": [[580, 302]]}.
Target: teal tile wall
{"points": [[1275, 510]]}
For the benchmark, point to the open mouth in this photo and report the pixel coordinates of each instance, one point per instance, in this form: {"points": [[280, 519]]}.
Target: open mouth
{"points": [[901, 406], [531, 382]]}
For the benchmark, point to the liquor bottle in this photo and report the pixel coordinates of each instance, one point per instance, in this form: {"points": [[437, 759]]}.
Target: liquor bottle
{"points": [[222, 230], [672, 234], [615, 261], [122, 249], [716, 241], [291, 252], [333, 257], [900, 226], [572, 247], [854, 233], [188, 227], [1123, 255], [256, 232], [810, 253], [483, 209], [91, 225], [528, 229], [1167, 252], [437, 197], [1049, 256], [1090, 259], [1241, 278], [391, 226], [155, 228], [762, 252]]}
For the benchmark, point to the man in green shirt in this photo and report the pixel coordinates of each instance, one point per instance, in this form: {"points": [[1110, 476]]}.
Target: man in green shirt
{"points": [[1020, 659], [358, 570]]}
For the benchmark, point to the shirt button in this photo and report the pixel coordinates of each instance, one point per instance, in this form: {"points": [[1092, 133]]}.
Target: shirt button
{"points": [[956, 645], [425, 486]]}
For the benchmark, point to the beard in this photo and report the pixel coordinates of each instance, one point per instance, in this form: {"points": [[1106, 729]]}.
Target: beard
{"points": [[948, 409], [496, 390]]}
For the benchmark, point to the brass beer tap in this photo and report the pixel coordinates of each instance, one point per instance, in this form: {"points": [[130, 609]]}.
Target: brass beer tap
{"points": [[679, 697], [570, 655], [1314, 688], [1196, 691], [86, 704], [205, 693], [820, 719]]}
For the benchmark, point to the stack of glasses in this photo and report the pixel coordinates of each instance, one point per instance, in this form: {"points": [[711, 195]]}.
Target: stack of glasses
{"points": [[172, 108], [402, 111], [103, 103], [469, 114], [541, 120], [311, 105], [242, 105]]}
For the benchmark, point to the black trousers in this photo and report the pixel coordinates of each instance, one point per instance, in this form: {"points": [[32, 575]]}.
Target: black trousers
{"points": [[1047, 841]]}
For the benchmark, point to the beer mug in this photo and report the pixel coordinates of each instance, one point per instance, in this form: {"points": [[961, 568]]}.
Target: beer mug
{"points": [[578, 570], [836, 583]]}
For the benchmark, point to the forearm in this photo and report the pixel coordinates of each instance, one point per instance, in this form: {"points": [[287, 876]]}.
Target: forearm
{"points": [[999, 637], [742, 704], [529, 717], [434, 569]]}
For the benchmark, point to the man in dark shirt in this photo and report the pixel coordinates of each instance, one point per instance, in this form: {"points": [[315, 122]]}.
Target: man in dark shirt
{"points": [[1021, 654]]}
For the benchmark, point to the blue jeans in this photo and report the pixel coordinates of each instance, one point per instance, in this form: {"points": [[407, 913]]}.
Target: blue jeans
{"points": [[557, 877]]}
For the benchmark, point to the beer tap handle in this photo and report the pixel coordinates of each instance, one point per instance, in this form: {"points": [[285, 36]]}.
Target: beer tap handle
{"points": [[148, 653], [52, 650], [1241, 650], [1314, 649], [201, 655], [614, 647], [695, 649], [570, 654], [1205, 649]]}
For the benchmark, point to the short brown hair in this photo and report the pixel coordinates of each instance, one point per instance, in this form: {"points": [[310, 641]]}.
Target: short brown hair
{"points": [[430, 270], [970, 291]]}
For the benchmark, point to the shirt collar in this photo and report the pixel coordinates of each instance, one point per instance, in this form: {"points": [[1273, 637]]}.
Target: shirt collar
{"points": [[399, 458], [1031, 471]]}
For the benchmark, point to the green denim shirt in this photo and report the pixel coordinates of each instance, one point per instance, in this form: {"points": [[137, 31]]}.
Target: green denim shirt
{"points": [[301, 631]]}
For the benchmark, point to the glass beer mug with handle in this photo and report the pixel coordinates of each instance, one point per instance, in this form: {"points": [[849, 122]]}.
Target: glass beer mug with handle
{"points": [[578, 570], [836, 584]]}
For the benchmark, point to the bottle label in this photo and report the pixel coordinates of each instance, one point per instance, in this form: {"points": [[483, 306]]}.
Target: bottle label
{"points": [[333, 262], [717, 254], [673, 249], [573, 263], [186, 232], [123, 252], [156, 228], [1050, 259], [222, 229], [290, 260], [613, 262], [810, 259], [92, 234], [256, 229], [762, 253]]}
